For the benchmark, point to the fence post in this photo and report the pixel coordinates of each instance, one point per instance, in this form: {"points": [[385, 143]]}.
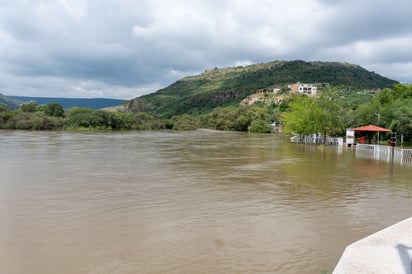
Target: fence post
{"points": [[388, 152], [401, 156]]}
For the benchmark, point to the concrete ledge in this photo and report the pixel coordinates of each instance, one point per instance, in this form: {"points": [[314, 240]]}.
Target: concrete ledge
{"points": [[386, 251]]}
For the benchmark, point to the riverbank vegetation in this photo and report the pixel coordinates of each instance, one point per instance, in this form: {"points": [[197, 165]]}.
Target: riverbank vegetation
{"points": [[329, 113], [53, 117]]}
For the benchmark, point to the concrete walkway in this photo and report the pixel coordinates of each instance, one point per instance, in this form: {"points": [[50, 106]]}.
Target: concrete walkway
{"points": [[386, 251]]}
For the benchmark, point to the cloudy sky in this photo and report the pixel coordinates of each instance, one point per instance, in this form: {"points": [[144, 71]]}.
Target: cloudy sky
{"points": [[126, 48]]}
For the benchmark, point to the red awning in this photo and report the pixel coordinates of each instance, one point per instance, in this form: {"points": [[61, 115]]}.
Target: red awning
{"points": [[372, 128]]}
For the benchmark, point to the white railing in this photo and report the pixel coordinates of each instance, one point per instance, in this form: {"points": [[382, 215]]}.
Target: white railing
{"points": [[384, 153], [330, 141], [406, 157]]}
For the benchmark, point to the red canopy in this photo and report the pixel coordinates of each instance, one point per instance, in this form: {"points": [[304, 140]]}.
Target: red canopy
{"points": [[372, 128]]}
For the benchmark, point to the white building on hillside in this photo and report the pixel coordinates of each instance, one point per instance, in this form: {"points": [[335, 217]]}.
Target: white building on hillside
{"points": [[309, 89]]}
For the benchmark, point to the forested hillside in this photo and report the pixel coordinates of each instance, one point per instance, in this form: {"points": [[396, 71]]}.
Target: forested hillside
{"points": [[228, 86]]}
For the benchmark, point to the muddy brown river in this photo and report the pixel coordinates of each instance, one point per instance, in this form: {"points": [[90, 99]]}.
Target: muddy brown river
{"points": [[187, 202]]}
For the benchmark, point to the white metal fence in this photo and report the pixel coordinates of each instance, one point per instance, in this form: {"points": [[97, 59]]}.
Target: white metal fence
{"points": [[330, 141], [406, 156], [384, 153]]}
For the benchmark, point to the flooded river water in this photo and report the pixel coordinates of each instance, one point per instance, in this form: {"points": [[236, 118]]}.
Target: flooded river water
{"points": [[187, 202]]}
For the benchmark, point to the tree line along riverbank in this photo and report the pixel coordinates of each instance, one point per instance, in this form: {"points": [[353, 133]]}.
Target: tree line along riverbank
{"points": [[329, 113]]}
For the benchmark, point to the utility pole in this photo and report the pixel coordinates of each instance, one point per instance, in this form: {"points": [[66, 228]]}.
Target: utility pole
{"points": [[393, 142], [379, 116]]}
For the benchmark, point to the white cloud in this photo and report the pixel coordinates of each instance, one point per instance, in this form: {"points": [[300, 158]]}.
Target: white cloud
{"points": [[126, 48], [396, 70], [382, 56], [75, 8], [140, 32], [243, 63]]}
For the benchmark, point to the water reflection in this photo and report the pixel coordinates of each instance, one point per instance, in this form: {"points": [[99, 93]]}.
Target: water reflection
{"points": [[186, 202]]}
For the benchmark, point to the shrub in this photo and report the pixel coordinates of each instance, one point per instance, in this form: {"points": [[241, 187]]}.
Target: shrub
{"points": [[29, 120], [185, 122], [260, 126]]}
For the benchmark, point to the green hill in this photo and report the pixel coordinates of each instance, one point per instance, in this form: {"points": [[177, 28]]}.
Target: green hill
{"points": [[228, 86]]}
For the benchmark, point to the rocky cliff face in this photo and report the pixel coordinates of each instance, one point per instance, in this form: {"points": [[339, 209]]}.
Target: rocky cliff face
{"points": [[266, 99]]}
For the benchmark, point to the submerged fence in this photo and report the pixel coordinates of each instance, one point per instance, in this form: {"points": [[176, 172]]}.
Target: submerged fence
{"points": [[377, 152], [330, 141], [384, 153]]}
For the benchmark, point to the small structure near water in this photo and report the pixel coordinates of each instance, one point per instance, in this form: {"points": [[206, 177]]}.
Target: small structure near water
{"points": [[368, 131]]}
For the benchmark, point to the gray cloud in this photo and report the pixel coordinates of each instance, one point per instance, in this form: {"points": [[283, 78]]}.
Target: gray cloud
{"points": [[125, 48]]}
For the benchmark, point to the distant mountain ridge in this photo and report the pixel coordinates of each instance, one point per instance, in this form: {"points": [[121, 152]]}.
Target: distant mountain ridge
{"points": [[10, 102], [93, 103], [228, 86]]}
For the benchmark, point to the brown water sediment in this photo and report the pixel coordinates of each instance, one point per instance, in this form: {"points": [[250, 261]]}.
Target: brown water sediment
{"points": [[186, 202]]}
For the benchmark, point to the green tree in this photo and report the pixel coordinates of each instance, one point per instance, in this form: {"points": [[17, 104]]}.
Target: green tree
{"points": [[307, 115], [220, 118], [4, 107], [33, 121], [5, 116], [54, 109], [301, 116], [29, 106], [402, 116], [79, 117], [124, 120], [331, 113], [391, 106], [142, 120], [236, 118], [185, 122], [100, 119], [260, 126]]}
